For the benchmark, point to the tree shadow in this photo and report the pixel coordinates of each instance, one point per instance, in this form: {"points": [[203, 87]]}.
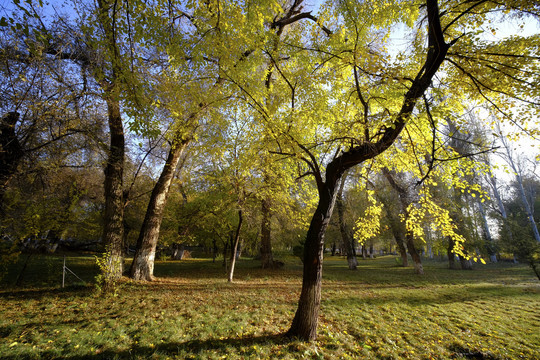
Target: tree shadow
{"points": [[38, 293], [192, 348]]}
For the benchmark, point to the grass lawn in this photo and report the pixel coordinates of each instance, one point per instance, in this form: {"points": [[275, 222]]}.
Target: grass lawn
{"points": [[380, 311]]}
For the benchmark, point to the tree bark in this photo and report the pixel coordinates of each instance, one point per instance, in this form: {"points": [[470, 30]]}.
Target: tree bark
{"points": [[397, 231], [267, 259], [466, 264], [405, 199], [399, 241], [142, 267], [304, 324], [11, 152], [113, 225], [214, 249], [519, 179], [346, 236], [451, 255], [235, 246], [401, 247], [489, 239], [418, 268], [225, 245]]}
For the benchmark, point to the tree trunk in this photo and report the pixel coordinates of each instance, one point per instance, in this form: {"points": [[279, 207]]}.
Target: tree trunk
{"points": [[20, 277], [466, 264], [451, 255], [125, 241], [113, 225], [418, 268], [346, 236], [225, 245], [528, 208], [267, 259], [11, 153], [535, 269], [401, 248], [405, 198], [142, 267], [519, 179], [304, 324], [489, 240], [398, 231], [235, 246]]}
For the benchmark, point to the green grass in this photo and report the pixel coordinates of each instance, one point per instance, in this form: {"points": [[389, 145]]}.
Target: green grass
{"points": [[378, 312]]}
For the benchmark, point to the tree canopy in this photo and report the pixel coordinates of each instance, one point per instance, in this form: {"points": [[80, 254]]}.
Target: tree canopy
{"points": [[267, 103]]}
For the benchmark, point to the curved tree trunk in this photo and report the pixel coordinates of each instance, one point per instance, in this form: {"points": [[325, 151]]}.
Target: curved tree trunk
{"points": [[267, 259], [304, 324], [142, 267]]}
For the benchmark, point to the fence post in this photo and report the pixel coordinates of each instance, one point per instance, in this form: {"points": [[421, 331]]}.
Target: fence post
{"points": [[64, 272]]}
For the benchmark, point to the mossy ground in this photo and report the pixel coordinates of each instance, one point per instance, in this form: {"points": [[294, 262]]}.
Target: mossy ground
{"points": [[380, 311]]}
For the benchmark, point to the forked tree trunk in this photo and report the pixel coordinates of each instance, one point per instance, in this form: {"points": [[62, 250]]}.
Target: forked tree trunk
{"points": [[401, 248], [142, 267], [418, 268], [113, 225], [235, 246], [267, 259]]}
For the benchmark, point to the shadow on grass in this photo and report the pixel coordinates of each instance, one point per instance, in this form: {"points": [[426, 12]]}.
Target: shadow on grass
{"points": [[189, 349], [38, 293], [422, 297]]}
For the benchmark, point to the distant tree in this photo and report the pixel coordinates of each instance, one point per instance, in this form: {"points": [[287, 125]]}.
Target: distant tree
{"points": [[522, 243], [347, 238]]}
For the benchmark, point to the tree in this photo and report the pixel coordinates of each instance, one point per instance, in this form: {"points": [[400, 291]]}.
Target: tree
{"points": [[522, 243], [347, 238], [375, 140], [406, 198], [518, 172]]}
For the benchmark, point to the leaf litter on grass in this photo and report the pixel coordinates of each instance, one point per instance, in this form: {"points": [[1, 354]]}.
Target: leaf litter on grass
{"points": [[365, 314]]}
